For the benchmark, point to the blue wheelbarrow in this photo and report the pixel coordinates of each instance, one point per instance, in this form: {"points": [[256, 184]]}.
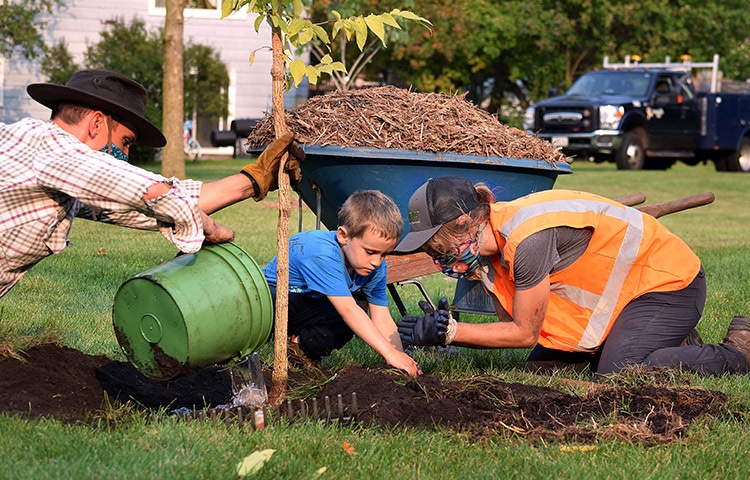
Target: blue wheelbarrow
{"points": [[331, 173]]}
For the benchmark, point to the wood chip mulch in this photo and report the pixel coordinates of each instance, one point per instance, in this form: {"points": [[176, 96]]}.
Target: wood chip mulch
{"points": [[397, 118]]}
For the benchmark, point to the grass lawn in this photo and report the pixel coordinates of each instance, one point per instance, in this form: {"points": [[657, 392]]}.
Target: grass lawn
{"points": [[68, 298]]}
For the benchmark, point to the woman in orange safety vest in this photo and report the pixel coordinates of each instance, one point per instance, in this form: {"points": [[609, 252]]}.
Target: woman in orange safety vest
{"points": [[584, 280]]}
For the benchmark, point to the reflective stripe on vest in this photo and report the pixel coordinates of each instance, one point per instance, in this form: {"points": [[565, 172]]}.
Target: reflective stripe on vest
{"points": [[587, 302]]}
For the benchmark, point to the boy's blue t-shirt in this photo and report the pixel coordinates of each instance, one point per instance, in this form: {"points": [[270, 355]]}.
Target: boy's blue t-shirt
{"points": [[316, 268]]}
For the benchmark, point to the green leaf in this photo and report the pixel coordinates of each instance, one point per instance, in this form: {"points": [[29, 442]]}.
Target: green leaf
{"points": [[297, 25], [305, 36], [312, 75], [321, 34], [331, 67], [227, 7], [258, 21], [298, 7], [410, 16], [297, 70], [388, 19], [376, 26], [360, 28], [253, 462]]}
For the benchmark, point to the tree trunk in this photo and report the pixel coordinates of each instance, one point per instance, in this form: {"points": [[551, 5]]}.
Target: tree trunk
{"points": [[280, 373], [173, 158]]}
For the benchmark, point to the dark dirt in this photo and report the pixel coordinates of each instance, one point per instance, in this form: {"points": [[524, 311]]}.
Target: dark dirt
{"points": [[64, 383]]}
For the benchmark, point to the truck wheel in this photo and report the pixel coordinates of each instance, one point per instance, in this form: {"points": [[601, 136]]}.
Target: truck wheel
{"points": [[738, 161], [632, 153]]}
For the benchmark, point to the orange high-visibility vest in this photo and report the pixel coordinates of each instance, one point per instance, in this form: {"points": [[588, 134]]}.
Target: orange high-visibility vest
{"points": [[630, 253]]}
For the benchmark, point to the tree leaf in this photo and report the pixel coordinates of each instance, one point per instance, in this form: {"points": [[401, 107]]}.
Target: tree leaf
{"points": [[297, 69], [297, 25], [253, 462], [298, 7], [258, 21], [312, 75], [375, 23], [349, 449], [227, 7], [360, 28], [321, 34], [388, 19], [304, 37]]}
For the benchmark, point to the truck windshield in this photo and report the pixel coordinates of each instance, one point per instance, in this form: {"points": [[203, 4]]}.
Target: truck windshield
{"points": [[610, 82]]}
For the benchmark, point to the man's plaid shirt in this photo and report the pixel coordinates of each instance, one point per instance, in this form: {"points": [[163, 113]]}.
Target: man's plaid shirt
{"points": [[47, 177]]}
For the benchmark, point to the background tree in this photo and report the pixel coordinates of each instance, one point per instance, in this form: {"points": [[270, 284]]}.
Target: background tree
{"points": [[206, 82], [21, 26], [509, 53], [134, 51], [173, 158], [58, 64]]}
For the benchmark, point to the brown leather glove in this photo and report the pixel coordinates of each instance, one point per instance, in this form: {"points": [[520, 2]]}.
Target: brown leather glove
{"points": [[265, 170]]}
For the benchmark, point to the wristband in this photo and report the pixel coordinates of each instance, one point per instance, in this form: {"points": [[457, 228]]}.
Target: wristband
{"points": [[256, 188], [451, 333]]}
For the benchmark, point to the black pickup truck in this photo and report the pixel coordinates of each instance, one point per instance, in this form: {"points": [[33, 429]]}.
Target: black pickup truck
{"points": [[647, 116]]}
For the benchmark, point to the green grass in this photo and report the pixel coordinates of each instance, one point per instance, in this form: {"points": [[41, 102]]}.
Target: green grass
{"points": [[69, 297]]}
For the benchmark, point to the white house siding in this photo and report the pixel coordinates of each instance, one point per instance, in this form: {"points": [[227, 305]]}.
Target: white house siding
{"points": [[80, 22]]}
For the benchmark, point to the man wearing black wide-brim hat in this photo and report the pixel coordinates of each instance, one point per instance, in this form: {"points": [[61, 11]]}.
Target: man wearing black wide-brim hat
{"points": [[52, 171]]}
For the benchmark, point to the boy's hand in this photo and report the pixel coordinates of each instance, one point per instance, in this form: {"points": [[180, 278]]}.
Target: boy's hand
{"points": [[430, 329], [404, 362]]}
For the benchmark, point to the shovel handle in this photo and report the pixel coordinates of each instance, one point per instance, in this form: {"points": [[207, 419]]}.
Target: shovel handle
{"points": [[659, 209]]}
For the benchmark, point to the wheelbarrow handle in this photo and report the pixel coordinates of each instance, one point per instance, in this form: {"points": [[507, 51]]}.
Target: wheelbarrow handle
{"points": [[659, 209]]}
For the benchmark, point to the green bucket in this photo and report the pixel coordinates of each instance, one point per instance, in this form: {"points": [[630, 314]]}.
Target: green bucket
{"points": [[195, 310]]}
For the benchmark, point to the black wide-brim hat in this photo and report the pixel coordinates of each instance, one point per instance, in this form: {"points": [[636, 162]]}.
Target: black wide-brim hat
{"points": [[122, 98]]}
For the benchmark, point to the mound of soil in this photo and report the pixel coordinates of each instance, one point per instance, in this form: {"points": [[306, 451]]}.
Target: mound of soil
{"points": [[391, 117], [60, 382]]}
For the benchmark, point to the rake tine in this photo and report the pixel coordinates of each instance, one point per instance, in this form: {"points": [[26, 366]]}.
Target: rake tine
{"points": [[340, 405], [315, 407], [354, 404]]}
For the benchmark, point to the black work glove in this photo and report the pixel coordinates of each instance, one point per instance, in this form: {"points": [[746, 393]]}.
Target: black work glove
{"points": [[429, 329]]}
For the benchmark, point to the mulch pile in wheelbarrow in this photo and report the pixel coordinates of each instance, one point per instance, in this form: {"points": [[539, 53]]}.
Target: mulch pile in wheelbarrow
{"points": [[60, 382], [396, 118]]}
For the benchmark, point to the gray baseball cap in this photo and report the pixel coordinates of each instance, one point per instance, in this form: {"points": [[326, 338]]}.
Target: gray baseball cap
{"points": [[434, 203]]}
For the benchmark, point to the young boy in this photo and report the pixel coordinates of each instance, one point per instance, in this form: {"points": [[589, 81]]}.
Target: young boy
{"points": [[330, 272]]}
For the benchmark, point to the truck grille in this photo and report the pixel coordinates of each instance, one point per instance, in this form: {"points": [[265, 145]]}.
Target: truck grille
{"points": [[567, 119]]}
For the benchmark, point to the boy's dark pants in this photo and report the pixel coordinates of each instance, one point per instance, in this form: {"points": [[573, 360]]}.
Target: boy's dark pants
{"points": [[318, 325]]}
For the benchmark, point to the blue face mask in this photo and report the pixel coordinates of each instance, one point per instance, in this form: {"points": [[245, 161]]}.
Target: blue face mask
{"points": [[115, 151]]}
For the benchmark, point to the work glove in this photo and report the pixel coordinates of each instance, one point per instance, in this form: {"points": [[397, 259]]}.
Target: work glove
{"points": [[265, 170], [430, 329]]}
